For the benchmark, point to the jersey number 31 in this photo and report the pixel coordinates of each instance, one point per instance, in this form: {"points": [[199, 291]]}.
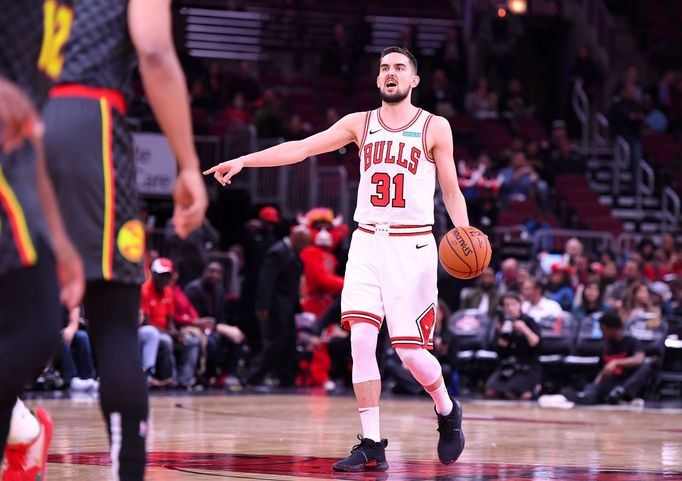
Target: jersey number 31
{"points": [[383, 183]]}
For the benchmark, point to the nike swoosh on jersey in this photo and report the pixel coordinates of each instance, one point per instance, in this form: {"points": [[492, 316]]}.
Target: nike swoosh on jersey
{"points": [[375, 131], [420, 246]]}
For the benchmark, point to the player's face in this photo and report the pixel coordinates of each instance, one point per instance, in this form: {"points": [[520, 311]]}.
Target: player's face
{"points": [[396, 78]]}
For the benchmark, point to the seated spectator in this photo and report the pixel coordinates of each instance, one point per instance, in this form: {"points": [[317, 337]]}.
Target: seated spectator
{"points": [[565, 159], [519, 181], [591, 300], [157, 326], [224, 343], [191, 338], [666, 251], [676, 299], [268, 116], [624, 371], [77, 365], [481, 103], [485, 298], [245, 82], [560, 287], [476, 176], [513, 102], [189, 255], [507, 278], [537, 158], [661, 295], [650, 266], [572, 249], [439, 97], [234, 115], [654, 119], [296, 128], [517, 341], [535, 304], [638, 303], [630, 275]]}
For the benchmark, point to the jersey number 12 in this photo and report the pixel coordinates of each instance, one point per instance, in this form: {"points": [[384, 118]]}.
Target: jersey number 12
{"points": [[57, 20]]}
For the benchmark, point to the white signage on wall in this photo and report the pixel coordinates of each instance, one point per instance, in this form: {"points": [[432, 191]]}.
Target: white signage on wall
{"points": [[155, 164]]}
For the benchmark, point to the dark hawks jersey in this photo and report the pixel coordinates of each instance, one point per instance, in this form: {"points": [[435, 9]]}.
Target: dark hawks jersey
{"points": [[32, 36], [100, 52]]}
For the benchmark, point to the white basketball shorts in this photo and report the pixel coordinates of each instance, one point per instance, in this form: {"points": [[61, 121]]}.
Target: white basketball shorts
{"points": [[392, 273]]}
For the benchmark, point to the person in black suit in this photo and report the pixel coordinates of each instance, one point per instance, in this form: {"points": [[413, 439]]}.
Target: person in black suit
{"points": [[276, 302]]}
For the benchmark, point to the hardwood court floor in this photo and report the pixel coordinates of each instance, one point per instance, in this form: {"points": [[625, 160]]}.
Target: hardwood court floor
{"points": [[286, 437]]}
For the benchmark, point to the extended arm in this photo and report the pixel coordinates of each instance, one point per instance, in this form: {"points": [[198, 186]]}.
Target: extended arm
{"points": [[440, 137], [341, 133]]}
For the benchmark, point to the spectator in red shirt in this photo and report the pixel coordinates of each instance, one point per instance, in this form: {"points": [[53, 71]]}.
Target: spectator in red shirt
{"points": [[157, 309]]}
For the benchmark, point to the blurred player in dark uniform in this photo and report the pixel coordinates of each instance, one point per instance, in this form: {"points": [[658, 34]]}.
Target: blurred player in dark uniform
{"points": [[38, 265], [90, 159]]}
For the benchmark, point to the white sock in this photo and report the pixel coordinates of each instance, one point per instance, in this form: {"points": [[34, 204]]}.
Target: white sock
{"points": [[369, 417], [24, 427], [442, 399]]}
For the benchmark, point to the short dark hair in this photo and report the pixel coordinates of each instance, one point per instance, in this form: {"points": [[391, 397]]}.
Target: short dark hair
{"points": [[511, 295], [611, 319], [404, 51]]}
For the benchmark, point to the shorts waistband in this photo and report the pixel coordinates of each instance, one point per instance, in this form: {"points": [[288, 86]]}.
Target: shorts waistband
{"points": [[396, 229], [114, 97]]}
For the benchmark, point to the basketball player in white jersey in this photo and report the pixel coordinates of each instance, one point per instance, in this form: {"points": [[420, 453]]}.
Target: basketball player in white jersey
{"points": [[392, 263]]}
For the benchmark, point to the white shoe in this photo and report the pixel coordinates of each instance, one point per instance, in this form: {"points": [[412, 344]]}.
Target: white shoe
{"points": [[329, 385], [555, 401], [94, 385], [78, 384]]}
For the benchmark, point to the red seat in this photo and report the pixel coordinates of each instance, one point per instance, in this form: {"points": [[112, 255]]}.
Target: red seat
{"points": [[334, 84], [511, 218], [606, 224], [522, 207]]}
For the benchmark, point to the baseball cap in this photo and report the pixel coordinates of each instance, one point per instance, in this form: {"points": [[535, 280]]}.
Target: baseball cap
{"points": [[162, 265], [662, 289], [269, 213]]}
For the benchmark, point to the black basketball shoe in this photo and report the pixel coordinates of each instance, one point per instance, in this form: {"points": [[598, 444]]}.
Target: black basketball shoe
{"points": [[369, 455], [451, 439]]}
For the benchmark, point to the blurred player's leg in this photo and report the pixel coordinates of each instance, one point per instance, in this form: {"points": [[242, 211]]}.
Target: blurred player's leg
{"points": [[112, 311], [29, 316]]}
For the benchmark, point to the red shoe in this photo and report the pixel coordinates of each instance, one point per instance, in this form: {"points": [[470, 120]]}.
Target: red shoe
{"points": [[27, 461]]}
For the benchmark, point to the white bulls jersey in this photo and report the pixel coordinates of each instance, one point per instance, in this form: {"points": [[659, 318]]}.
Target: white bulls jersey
{"points": [[397, 175]]}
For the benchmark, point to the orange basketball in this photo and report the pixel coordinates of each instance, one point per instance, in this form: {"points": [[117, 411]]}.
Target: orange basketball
{"points": [[464, 252]]}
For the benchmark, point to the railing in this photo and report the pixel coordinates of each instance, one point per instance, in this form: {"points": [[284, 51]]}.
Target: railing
{"points": [[621, 160], [670, 202], [581, 107], [555, 239], [644, 183], [600, 130]]}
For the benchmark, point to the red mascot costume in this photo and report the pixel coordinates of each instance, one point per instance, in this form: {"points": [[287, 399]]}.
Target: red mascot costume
{"points": [[320, 282]]}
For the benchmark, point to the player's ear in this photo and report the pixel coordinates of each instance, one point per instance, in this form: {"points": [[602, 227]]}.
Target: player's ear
{"points": [[415, 80], [378, 81]]}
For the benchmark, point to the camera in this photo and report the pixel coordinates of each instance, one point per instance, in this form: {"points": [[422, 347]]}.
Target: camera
{"points": [[507, 327]]}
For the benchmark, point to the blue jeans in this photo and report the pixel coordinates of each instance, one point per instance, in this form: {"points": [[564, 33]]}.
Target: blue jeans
{"points": [[77, 358]]}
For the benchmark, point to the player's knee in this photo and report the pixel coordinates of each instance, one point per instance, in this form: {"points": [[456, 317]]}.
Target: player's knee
{"points": [[363, 339], [424, 367]]}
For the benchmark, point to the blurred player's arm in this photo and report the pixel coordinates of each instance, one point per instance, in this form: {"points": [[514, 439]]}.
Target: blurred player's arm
{"points": [[341, 133], [439, 136], [20, 122], [149, 23]]}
